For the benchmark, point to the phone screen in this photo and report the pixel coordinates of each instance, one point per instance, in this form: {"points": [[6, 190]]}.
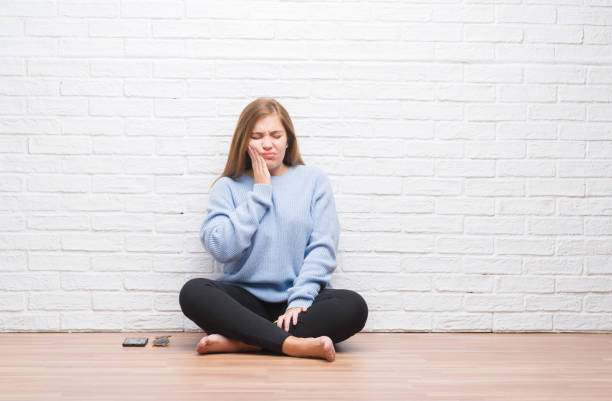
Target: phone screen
{"points": [[135, 341]]}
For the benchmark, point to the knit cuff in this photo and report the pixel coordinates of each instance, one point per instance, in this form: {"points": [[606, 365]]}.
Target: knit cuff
{"points": [[300, 302]]}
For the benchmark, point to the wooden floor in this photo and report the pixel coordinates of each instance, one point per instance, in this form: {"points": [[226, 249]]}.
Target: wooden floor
{"points": [[368, 366]]}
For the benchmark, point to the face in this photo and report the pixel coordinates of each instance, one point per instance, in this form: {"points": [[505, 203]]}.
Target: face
{"points": [[269, 139]]}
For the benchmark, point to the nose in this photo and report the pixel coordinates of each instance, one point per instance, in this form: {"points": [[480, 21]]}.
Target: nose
{"points": [[267, 142]]}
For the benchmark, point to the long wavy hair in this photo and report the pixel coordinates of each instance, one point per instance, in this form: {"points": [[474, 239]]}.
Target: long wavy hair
{"points": [[238, 159]]}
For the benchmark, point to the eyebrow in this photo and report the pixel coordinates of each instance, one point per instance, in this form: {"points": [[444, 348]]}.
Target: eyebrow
{"points": [[272, 132]]}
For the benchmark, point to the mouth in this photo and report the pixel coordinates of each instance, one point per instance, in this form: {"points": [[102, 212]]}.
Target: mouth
{"points": [[269, 155]]}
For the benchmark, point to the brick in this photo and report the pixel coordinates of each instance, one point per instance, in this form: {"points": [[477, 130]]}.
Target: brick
{"points": [[549, 34], [102, 87], [13, 261], [30, 281], [555, 150], [493, 73], [91, 321], [54, 28], [522, 322], [114, 301], [527, 93], [472, 206], [49, 301], [509, 246], [466, 168], [557, 112], [555, 74], [58, 261], [58, 222], [526, 14], [495, 150], [464, 245], [496, 112], [525, 284], [494, 303], [54, 145], [91, 47], [531, 206], [555, 226], [431, 187], [525, 168], [600, 75], [428, 264], [583, 284], [492, 33], [585, 207], [152, 9], [555, 187], [585, 168], [432, 303], [28, 47], [494, 225], [120, 29], [11, 66], [494, 187], [462, 322], [53, 183], [600, 112], [552, 303], [12, 302], [491, 265], [598, 265], [585, 94], [58, 68], [27, 321]]}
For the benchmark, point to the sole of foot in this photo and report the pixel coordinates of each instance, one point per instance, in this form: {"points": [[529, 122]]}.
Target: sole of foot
{"points": [[213, 343]]}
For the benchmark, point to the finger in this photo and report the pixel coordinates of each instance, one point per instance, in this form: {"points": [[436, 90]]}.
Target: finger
{"points": [[295, 316], [250, 152], [258, 156], [254, 159], [253, 153], [287, 321]]}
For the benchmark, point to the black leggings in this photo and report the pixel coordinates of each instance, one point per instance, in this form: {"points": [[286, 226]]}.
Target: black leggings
{"points": [[232, 311]]}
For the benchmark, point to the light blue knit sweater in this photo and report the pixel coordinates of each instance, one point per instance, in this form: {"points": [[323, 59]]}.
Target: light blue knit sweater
{"points": [[277, 241]]}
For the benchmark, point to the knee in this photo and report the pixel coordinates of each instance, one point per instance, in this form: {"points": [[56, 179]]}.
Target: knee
{"points": [[359, 309], [191, 291]]}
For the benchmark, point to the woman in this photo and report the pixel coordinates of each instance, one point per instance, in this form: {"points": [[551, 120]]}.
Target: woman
{"points": [[272, 222]]}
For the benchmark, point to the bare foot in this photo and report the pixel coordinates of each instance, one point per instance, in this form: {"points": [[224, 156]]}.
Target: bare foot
{"points": [[218, 343], [319, 347]]}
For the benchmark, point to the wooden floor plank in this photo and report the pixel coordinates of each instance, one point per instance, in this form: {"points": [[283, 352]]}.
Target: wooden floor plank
{"points": [[368, 366]]}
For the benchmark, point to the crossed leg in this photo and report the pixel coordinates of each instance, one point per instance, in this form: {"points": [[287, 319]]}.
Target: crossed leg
{"points": [[236, 321]]}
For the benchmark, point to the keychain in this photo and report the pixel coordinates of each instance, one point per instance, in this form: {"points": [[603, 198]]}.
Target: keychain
{"points": [[161, 341]]}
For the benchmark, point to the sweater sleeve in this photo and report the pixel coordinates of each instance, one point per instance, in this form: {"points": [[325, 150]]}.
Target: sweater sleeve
{"points": [[227, 231], [320, 253]]}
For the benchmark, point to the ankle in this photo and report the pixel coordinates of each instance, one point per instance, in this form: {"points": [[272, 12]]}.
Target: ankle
{"points": [[290, 345]]}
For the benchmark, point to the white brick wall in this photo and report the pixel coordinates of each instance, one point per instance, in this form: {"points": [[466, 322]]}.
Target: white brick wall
{"points": [[469, 144]]}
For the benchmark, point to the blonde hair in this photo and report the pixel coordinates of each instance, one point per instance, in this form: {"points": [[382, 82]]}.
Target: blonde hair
{"points": [[238, 159]]}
